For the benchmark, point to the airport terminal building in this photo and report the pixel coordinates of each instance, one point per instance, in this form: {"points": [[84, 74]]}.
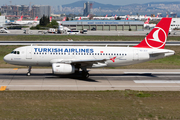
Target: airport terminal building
{"points": [[105, 25]]}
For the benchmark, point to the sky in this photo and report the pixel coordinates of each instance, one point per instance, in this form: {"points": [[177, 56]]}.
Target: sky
{"points": [[62, 2]]}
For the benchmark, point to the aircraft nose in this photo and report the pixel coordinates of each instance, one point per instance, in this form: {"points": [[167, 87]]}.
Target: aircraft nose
{"points": [[7, 58]]}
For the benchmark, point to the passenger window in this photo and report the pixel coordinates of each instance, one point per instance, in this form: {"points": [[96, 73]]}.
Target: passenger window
{"points": [[18, 52]]}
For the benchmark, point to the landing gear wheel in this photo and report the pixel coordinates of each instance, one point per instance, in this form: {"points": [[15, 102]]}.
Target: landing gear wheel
{"points": [[85, 75], [29, 71], [28, 74]]}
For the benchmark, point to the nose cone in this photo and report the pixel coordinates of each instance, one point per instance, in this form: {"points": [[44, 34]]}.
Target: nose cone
{"points": [[7, 58]]}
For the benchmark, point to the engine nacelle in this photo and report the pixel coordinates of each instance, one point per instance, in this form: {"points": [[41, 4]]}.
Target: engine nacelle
{"points": [[60, 68]]}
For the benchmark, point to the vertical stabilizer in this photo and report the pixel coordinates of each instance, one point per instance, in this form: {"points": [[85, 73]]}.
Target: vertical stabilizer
{"points": [[158, 36]]}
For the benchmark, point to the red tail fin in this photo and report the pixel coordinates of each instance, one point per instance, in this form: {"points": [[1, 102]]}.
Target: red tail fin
{"points": [[36, 18], [20, 19], [50, 19], [64, 19], [157, 37], [147, 21]]}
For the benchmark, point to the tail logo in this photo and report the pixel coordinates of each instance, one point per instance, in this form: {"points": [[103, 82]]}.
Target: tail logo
{"points": [[156, 38]]}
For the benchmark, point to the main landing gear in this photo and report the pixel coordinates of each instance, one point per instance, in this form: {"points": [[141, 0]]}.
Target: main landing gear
{"points": [[29, 71], [85, 74]]}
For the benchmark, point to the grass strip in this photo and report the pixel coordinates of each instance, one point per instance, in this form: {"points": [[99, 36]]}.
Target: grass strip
{"points": [[87, 105]]}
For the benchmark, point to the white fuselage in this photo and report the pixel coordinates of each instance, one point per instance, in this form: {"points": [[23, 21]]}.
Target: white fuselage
{"points": [[47, 55], [26, 22]]}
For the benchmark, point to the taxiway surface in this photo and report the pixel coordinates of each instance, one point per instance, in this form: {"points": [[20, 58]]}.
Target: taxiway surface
{"points": [[100, 79]]}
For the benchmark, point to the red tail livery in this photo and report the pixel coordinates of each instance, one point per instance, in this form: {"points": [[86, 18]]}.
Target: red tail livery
{"points": [[20, 19], [158, 36]]}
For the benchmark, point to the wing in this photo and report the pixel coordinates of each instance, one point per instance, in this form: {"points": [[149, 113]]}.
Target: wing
{"points": [[85, 62]]}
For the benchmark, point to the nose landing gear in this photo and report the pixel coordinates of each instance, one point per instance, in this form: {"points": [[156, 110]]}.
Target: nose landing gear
{"points": [[29, 71]]}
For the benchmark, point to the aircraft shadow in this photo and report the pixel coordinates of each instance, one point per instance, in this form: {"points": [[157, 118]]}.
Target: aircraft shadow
{"points": [[37, 76]]}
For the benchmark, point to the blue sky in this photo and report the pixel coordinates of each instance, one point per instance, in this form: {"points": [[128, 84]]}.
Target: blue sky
{"points": [[62, 2]]}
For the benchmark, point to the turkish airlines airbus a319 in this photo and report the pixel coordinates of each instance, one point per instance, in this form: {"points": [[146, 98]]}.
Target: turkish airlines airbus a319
{"points": [[72, 59]]}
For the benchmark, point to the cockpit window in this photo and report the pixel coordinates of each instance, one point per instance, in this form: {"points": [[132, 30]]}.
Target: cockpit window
{"points": [[15, 52]]}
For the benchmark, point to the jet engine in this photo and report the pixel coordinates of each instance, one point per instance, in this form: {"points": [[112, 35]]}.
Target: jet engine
{"points": [[60, 68]]}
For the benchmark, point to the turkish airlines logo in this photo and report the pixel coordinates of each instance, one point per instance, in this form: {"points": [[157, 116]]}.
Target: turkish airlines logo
{"points": [[113, 59], [156, 38]]}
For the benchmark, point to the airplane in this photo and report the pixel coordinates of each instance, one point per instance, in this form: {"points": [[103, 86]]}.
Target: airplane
{"points": [[50, 19], [71, 59], [77, 18], [156, 18], [146, 24], [64, 19], [61, 27], [60, 22], [20, 19], [25, 22], [127, 17], [103, 18]]}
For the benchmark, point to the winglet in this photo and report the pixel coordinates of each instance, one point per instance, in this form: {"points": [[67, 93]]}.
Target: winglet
{"points": [[158, 36]]}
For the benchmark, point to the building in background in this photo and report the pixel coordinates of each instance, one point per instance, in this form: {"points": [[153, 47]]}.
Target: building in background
{"points": [[87, 7], [104, 25], [45, 10], [15, 11]]}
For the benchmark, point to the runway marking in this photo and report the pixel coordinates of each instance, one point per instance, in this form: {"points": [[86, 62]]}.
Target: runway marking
{"points": [[157, 81], [3, 88], [152, 72], [95, 86], [15, 69], [133, 76]]}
